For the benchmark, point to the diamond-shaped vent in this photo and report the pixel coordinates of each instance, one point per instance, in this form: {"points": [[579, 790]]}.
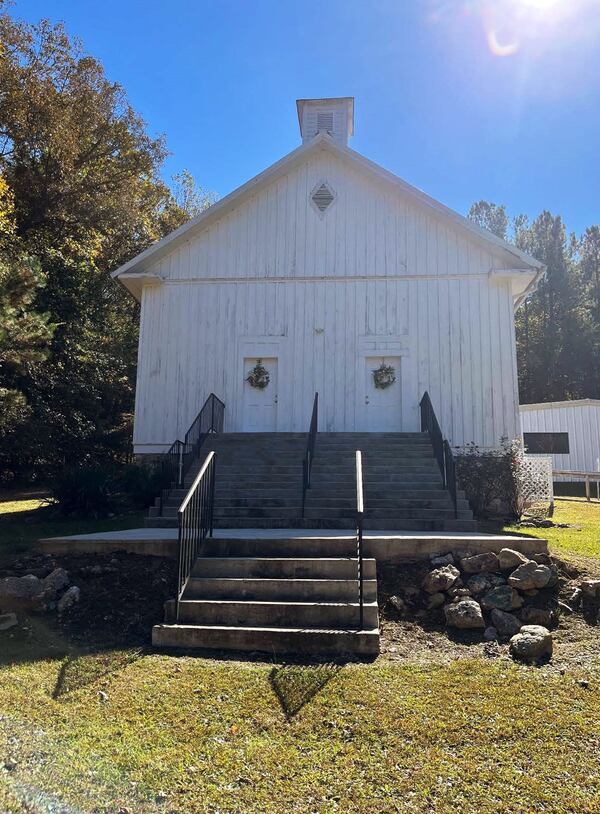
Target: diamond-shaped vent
{"points": [[322, 197]]}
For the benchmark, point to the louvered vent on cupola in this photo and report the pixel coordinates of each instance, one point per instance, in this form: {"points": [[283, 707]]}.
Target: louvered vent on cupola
{"points": [[325, 123], [322, 197]]}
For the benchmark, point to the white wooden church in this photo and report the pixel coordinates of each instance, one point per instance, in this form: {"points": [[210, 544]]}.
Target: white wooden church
{"points": [[329, 273]]}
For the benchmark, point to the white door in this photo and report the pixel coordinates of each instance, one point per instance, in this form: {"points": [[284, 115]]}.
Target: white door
{"points": [[260, 403], [383, 404]]}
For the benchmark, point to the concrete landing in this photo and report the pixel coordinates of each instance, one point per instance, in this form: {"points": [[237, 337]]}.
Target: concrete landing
{"points": [[146, 542], [386, 546]]}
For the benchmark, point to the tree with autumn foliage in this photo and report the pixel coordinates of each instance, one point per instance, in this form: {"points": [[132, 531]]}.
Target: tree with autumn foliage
{"points": [[82, 185]]}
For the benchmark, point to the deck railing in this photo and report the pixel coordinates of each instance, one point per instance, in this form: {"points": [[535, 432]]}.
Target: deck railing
{"points": [[310, 450], [195, 522], [441, 448]]}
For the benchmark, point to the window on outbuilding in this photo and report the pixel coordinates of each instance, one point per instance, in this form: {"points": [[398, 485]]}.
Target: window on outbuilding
{"points": [[549, 443]]}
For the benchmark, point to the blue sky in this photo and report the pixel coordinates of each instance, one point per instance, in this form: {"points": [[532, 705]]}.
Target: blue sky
{"points": [[494, 99]]}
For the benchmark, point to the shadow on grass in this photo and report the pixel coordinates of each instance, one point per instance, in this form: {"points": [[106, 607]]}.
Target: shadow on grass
{"points": [[79, 671], [295, 685]]}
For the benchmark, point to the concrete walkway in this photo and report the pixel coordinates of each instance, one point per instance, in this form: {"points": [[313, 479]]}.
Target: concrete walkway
{"points": [[384, 545]]}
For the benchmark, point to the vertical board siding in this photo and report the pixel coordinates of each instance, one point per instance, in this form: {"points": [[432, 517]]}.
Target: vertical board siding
{"points": [[581, 421], [374, 266]]}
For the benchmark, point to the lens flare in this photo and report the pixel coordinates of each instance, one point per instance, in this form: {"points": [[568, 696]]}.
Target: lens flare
{"points": [[499, 48]]}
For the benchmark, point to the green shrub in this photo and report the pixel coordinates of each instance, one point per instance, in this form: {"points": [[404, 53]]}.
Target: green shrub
{"points": [[489, 479], [139, 484], [94, 490], [85, 489]]}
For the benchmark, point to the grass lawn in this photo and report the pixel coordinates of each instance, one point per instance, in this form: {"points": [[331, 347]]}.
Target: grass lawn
{"points": [[194, 735], [26, 517], [125, 730], [581, 541]]}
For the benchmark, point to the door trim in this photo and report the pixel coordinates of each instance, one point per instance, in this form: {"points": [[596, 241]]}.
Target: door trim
{"points": [[385, 346], [261, 347]]}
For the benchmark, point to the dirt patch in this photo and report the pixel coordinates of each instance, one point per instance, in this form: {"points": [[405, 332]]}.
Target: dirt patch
{"points": [[122, 597]]}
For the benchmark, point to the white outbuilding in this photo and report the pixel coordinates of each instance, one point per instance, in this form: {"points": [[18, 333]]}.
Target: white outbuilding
{"points": [[569, 431], [328, 272]]}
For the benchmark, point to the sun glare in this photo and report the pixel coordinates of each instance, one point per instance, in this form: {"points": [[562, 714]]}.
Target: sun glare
{"points": [[542, 5]]}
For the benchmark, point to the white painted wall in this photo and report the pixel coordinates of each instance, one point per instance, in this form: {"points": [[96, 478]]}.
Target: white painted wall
{"points": [[581, 419], [376, 276]]}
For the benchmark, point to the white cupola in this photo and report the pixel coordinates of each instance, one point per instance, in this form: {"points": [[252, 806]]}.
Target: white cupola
{"points": [[332, 116]]}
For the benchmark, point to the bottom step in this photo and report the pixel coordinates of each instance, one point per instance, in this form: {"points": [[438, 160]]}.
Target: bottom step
{"points": [[268, 639]]}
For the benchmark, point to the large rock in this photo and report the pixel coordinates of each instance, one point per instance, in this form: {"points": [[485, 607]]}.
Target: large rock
{"points": [[398, 603], [442, 559], [440, 579], [478, 584], [574, 598], [21, 593], [529, 576], [465, 614], [68, 599], [505, 623], [545, 617], [8, 620], [508, 559], [496, 579], [502, 597], [436, 601], [590, 588], [480, 563], [55, 582], [531, 644]]}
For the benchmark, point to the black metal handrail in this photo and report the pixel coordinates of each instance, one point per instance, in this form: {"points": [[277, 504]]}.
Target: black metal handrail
{"points": [[172, 465], [177, 460], [310, 450], [450, 465], [430, 424], [208, 420], [441, 448], [195, 521], [360, 510]]}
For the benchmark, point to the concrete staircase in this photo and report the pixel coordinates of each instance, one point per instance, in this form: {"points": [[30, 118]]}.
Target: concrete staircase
{"points": [[276, 596], [262, 592], [259, 484]]}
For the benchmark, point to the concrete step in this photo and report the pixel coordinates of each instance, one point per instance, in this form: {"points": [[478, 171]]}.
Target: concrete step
{"points": [[287, 590], [276, 507], [270, 455], [335, 511], [268, 639], [372, 435], [277, 614], [282, 567], [340, 493]]}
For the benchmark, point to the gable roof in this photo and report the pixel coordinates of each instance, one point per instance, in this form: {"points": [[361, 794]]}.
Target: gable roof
{"points": [[136, 267]]}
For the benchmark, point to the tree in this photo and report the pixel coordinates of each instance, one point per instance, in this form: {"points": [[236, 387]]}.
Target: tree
{"points": [[24, 333], [588, 250], [188, 196], [88, 196], [558, 327], [490, 216]]}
